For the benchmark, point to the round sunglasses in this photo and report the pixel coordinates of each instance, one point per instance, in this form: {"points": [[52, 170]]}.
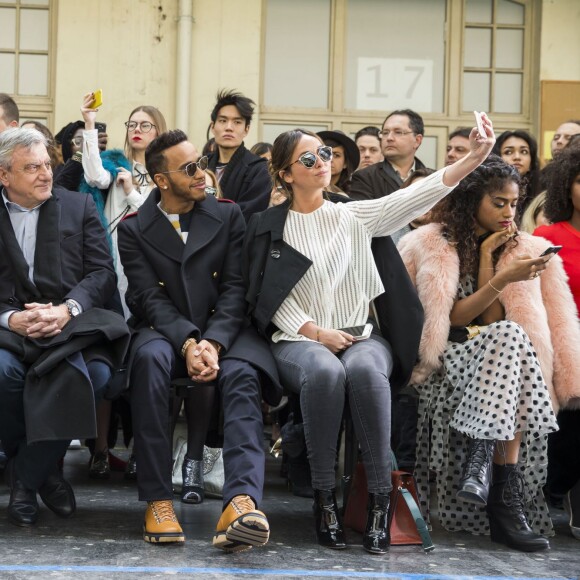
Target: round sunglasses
{"points": [[191, 168], [308, 159]]}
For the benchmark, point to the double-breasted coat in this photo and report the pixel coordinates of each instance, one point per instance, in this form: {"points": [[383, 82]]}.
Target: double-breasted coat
{"points": [[192, 290]]}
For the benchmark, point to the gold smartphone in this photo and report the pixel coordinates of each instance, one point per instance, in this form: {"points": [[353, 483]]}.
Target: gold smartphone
{"points": [[98, 99]]}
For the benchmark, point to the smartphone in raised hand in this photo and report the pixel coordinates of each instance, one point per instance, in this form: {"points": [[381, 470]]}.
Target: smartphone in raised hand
{"points": [[480, 126], [98, 99]]}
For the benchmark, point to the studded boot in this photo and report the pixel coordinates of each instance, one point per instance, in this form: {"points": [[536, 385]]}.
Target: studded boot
{"points": [[192, 472]]}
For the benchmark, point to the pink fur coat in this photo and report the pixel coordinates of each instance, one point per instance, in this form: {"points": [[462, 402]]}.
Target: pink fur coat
{"points": [[543, 307]]}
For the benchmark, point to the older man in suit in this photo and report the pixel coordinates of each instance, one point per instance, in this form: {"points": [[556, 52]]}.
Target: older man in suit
{"points": [[182, 256], [56, 347]]}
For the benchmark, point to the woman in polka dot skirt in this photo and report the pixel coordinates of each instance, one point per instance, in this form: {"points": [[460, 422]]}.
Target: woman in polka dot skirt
{"points": [[497, 359]]}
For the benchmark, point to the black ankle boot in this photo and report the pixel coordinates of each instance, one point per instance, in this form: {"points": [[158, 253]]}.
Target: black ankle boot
{"points": [[326, 516], [505, 509], [475, 480], [377, 539]]}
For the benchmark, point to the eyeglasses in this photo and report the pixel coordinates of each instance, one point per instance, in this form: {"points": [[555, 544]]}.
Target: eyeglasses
{"points": [[191, 168], [396, 133], [78, 141], [145, 126], [33, 168], [308, 159]]}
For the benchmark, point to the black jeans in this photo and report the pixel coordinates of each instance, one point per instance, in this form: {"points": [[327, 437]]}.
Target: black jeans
{"points": [[324, 380]]}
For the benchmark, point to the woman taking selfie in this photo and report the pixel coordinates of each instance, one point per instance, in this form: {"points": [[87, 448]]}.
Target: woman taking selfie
{"points": [[119, 184], [310, 272], [497, 359], [123, 178]]}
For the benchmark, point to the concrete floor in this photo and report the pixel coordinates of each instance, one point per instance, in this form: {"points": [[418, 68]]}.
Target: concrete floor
{"points": [[103, 540]]}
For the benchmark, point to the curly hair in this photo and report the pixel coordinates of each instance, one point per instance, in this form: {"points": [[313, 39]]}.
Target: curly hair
{"points": [[563, 171], [457, 212]]}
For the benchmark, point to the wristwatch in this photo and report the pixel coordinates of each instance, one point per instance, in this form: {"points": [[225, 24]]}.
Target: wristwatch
{"points": [[72, 307]]}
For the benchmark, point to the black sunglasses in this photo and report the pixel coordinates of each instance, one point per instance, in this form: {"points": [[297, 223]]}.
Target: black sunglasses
{"points": [[308, 159], [191, 168]]}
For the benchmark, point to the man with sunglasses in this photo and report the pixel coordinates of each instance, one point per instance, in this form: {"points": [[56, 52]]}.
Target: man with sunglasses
{"points": [[401, 136], [243, 176], [181, 253]]}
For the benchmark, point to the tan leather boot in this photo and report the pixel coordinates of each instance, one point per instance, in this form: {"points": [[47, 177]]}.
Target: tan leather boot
{"points": [[161, 523], [241, 526]]}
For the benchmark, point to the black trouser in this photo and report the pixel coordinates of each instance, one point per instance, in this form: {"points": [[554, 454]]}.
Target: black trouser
{"points": [[564, 453], [155, 365]]}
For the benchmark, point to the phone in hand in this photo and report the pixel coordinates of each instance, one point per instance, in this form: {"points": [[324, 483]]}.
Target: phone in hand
{"points": [[480, 127], [98, 100], [359, 332], [550, 250]]}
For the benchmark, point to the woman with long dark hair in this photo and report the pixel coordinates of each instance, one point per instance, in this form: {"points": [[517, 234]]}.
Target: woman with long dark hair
{"points": [[311, 275], [519, 149], [497, 356]]}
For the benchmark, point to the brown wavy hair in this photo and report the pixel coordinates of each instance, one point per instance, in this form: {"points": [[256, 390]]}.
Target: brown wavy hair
{"points": [[457, 212]]}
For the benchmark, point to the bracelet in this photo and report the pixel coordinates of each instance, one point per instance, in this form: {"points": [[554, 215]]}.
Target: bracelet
{"points": [[494, 288], [318, 335], [186, 345]]}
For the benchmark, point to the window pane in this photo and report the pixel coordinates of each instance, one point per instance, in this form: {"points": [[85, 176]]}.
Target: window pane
{"points": [[427, 153], [34, 30], [384, 70], [271, 131], [7, 76], [476, 88], [33, 75], [509, 12], [477, 47], [478, 11], [37, 2], [508, 93], [8, 35], [297, 53], [509, 49]]}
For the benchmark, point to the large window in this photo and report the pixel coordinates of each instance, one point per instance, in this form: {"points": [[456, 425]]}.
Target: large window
{"points": [[25, 50], [344, 64]]}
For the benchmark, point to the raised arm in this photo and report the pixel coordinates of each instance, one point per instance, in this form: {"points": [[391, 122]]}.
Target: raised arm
{"points": [[386, 215]]}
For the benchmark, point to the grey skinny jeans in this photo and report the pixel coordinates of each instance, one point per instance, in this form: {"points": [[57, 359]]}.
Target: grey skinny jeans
{"points": [[323, 379]]}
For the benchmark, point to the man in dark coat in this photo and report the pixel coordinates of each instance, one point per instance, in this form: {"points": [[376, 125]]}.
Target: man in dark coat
{"points": [[181, 253], [243, 176], [401, 136], [55, 271]]}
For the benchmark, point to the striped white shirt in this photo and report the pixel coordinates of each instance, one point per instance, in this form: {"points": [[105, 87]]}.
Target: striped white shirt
{"points": [[337, 289]]}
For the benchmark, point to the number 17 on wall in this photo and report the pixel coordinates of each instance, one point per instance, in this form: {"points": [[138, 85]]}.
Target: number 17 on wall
{"points": [[394, 83]]}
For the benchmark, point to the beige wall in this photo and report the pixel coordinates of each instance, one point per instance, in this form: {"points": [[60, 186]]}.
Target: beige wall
{"points": [[560, 46], [131, 55], [128, 48]]}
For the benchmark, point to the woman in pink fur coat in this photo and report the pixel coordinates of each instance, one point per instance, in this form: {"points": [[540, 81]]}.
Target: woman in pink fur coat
{"points": [[491, 394]]}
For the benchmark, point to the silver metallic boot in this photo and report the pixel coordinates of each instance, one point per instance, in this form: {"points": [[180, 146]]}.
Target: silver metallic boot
{"points": [[192, 472]]}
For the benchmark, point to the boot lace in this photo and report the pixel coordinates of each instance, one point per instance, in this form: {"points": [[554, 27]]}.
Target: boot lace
{"points": [[479, 457], [515, 494], [163, 510], [243, 504]]}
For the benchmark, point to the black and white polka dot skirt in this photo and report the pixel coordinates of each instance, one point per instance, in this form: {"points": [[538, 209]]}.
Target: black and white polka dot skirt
{"points": [[490, 387]]}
